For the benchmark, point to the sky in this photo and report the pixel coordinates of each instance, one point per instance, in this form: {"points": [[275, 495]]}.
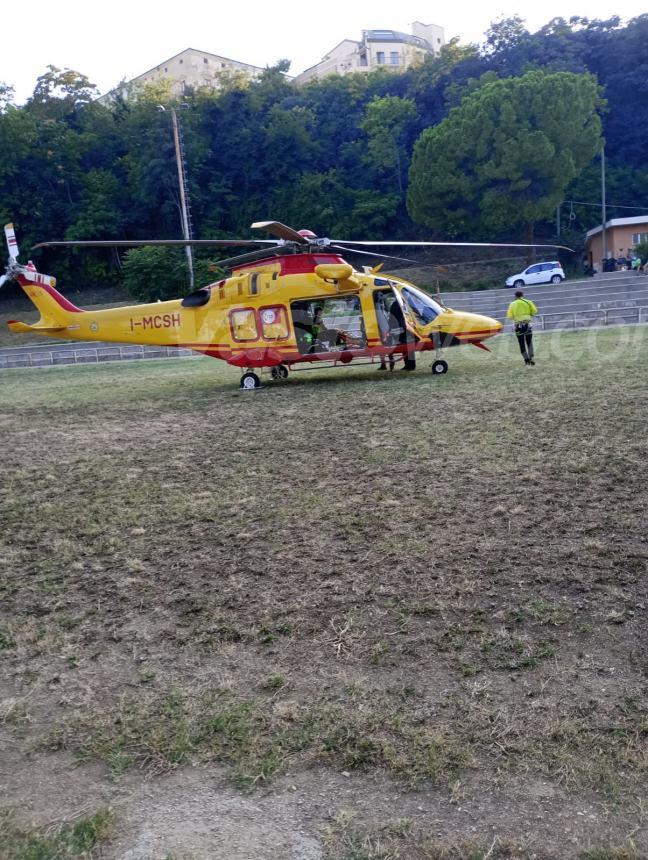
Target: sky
{"points": [[118, 39]]}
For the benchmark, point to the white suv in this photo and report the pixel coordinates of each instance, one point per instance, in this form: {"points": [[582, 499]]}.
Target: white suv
{"points": [[539, 273]]}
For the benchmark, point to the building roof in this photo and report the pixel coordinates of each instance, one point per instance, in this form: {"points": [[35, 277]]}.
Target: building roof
{"points": [[197, 51], [618, 222], [395, 36], [159, 65]]}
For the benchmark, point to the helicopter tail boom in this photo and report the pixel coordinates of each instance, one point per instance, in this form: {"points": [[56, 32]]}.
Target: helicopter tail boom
{"points": [[56, 311]]}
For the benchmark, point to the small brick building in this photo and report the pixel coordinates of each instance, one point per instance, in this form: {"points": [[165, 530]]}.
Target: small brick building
{"points": [[621, 234]]}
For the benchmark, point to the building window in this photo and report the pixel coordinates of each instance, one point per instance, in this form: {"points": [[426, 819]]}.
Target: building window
{"points": [[363, 59], [181, 62], [205, 60], [637, 238], [394, 59], [380, 58], [165, 69]]}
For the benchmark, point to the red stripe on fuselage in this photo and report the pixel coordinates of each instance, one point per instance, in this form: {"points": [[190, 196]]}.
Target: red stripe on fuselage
{"points": [[58, 298]]}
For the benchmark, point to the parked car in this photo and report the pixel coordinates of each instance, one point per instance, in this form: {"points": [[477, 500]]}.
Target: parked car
{"points": [[538, 273]]}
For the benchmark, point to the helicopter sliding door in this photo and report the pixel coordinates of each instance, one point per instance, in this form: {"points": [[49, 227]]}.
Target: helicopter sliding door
{"points": [[390, 318], [329, 325]]}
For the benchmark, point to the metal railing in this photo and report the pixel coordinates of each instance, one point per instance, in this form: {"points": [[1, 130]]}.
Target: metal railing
{"points": [[594, 316], [40, 357]]}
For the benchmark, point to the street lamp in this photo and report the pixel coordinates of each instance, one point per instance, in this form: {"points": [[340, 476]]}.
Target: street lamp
{"points": [[184, 194]]}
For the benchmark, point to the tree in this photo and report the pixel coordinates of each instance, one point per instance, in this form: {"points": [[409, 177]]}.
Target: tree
{"points": [[505, 156], [6, 96], [386, 123], [60, 92], [161, 273], [504, 33], [641, 250]]}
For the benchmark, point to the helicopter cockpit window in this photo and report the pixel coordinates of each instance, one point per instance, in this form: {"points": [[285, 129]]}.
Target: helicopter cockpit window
{"points": [[424, 308], [329, 325]]}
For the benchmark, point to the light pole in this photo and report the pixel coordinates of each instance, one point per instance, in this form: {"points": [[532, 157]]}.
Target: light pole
{"points": [[184, 195], [603, 209]]}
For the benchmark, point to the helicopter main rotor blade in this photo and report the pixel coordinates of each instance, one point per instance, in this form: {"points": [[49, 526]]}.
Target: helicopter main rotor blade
{"points": [[276, 228], [142, 243], [447, 244], [371, 254], [253, 256]]}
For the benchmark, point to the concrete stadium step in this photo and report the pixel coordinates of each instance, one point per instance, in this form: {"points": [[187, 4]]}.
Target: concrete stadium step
{"points": [[545, 291], [594, 300], [564, 295]]}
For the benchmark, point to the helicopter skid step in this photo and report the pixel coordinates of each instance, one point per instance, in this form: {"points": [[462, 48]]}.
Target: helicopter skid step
{"points": [[336, 364]]}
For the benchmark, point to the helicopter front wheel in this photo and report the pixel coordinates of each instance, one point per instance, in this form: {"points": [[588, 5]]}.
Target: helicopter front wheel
{"points": [[439, 366], [279, 372], [250, 381]]}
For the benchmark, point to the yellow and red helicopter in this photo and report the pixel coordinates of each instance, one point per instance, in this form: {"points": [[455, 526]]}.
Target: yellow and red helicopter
{"points": [[292, 301]]}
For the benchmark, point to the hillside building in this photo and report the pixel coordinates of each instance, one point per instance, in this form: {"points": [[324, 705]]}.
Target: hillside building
{"points": [[189, 68], [387, 49]]}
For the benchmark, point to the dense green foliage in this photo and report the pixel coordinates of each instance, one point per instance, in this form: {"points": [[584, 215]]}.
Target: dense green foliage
{"points": [[641, 251], [161, 273], [332, 155], [505, 156]]}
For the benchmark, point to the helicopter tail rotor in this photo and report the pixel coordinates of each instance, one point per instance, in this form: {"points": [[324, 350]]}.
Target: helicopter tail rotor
{"points": [[12, 248], [12, 242]]}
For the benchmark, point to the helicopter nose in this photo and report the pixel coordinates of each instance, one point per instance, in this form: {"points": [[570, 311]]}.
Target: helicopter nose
{"points": [[480, 327], [492, 325]]}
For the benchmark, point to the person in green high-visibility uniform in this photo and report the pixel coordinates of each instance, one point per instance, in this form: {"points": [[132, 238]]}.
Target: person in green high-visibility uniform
{"points": [[522, 311]]}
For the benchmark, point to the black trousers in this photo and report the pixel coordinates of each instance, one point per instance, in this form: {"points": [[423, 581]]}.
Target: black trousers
{"points": [[524, 337]]}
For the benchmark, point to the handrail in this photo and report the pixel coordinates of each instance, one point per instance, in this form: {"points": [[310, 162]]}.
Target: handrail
{"points": [[603, 312], [89, 355]]}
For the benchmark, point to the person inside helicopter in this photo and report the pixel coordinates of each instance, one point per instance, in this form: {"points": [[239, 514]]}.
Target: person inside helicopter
{"points": [[328, 325]]}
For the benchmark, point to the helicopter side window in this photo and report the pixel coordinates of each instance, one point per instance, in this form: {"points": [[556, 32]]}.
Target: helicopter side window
{"points": [[424, 308], [274, 323], [243, 324]]}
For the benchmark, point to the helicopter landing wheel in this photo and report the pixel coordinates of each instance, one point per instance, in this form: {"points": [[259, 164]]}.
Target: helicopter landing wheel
{"points": [[439, 366], [250, 381], [279, 372]]}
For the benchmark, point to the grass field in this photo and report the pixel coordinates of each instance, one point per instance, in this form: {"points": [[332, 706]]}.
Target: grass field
{"points": [[353, 616]]}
